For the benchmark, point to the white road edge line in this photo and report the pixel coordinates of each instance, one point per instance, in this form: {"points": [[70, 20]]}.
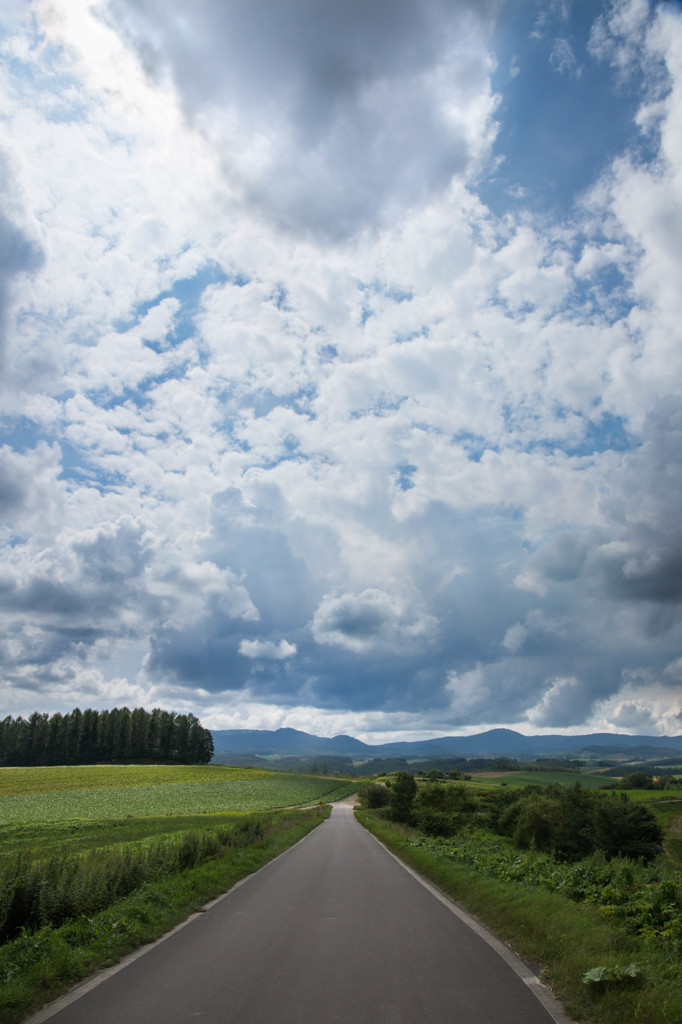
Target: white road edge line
{"points": [[535, 984]]}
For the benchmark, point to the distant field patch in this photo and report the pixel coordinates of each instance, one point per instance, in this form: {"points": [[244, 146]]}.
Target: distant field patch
{"points": [[654, 796], [539, 778], [491, 775], [117, 791]]}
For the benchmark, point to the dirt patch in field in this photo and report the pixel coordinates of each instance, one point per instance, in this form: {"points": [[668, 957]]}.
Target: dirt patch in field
{"points": [[490, 775]]}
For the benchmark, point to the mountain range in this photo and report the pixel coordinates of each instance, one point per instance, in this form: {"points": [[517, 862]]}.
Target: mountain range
{"points": [[493, 743]]}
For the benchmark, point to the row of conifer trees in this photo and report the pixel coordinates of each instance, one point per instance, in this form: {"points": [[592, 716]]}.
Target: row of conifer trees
{"points": [[94, 737]]}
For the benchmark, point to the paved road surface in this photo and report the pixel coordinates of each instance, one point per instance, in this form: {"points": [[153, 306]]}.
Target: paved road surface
{"points": [[335, 931]]}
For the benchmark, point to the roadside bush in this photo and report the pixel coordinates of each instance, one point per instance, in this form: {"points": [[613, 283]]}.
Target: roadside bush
{"points": [[433, 822], [573, 823], [552, 819], [403, 792], [624, 829], [374, 796], [643, 898], [532, 823], [442, 810]]}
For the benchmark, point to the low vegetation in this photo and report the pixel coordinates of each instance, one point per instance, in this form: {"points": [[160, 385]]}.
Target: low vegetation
{"points": [[97, 860], [576, 881], [94, 793], [38, 891]]}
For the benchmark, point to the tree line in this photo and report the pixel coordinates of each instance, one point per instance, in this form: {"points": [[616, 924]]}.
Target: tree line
{"points": [[568, 822], [116, 736]]}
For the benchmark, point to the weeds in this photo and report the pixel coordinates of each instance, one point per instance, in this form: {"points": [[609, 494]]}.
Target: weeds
{"points": [[642, 898], [38, 892]]}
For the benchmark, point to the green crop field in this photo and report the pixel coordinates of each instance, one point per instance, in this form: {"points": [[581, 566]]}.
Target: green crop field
{"points": [[588, 780], [653, 796], [91, 793], [14, 781]]}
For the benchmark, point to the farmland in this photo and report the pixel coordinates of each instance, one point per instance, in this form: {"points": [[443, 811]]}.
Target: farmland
{"points": [[543, 778], [93, 793]]}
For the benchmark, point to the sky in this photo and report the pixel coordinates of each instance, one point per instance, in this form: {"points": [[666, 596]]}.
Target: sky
{"points": [[341, 363]]}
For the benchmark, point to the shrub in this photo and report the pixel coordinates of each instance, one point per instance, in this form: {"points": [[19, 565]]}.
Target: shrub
{"points": [[374, 796], [442, 810], [624, 829], [402, 795], [573, 823]]}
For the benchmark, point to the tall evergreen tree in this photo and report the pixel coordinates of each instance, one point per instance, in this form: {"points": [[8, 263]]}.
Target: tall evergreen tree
{"points": [[75, 722], [117, 735], [89, 743]]}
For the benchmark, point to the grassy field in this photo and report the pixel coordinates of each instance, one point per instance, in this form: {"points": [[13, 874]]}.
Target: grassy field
{"points": [[586, 779], [16, 781], [653, 796], [97, 792]]}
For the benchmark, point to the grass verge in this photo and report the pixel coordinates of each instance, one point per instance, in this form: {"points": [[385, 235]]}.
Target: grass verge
{"points": [[39, 966], [561, 938]]}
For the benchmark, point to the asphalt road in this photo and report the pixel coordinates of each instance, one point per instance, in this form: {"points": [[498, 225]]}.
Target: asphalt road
{"points": [[335, 931]]}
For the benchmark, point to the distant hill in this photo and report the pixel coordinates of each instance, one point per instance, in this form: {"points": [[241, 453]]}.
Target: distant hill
{"points": [[493, 743], [285, 741]]}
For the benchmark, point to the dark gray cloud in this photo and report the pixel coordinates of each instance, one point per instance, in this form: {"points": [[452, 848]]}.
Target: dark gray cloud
{"points": [[19, 253], [357, 618], [636, 557], [43, 596], [330, 113], [73, 596], [12, 486], [114, 554]]}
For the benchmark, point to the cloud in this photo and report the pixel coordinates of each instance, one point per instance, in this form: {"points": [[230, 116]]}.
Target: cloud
{"points": [[515, 638], [364, 621], [646, 703], [30, 490], [563, 704], [434, 446], [636, 555], [618, 34], [267, 649], [632, 715], [20, 252], [328, 118], [563, 59]]}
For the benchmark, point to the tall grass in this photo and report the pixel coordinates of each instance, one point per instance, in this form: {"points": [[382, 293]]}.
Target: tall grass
{"points": [[645, 899], [36, 892]]}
